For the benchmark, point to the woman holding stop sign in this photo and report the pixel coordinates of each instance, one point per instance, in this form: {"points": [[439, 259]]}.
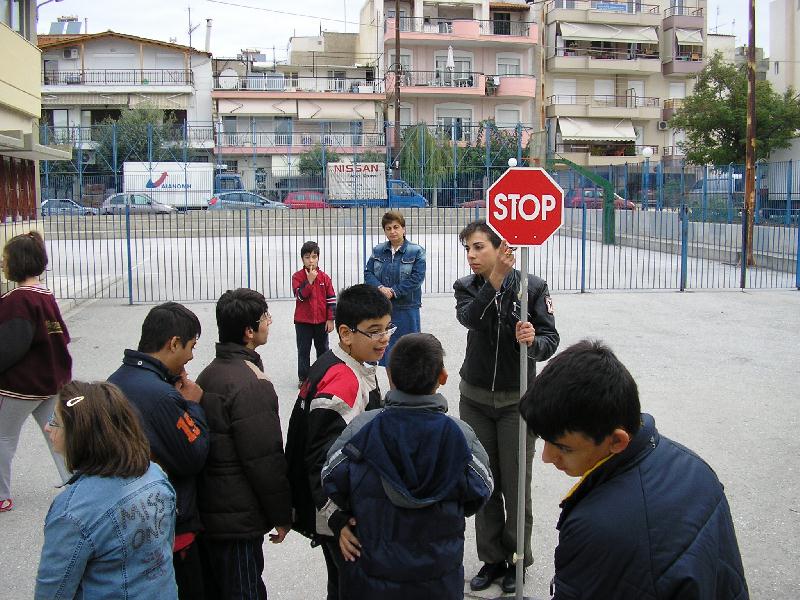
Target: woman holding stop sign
{"points": [[487, 304]]}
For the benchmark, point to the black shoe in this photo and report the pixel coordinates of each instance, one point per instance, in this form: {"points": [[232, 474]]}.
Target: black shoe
{"points": [[509, 583], [488, 573]]}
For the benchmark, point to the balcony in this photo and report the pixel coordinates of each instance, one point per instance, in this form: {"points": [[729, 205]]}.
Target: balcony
{"points": [[599, 11], [446, 83], [276, 82], [437, 30], [593, 106], [123, 77], [591, 154], [684, 17], [671, 106], [272, 142], [582, 59], [684, 65], [511, 86], [90, 137], [673, 154]]}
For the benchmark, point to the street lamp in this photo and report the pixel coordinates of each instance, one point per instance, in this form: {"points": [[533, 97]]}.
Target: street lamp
{"points": [[647, 152], [512, 162], [41, 4]]}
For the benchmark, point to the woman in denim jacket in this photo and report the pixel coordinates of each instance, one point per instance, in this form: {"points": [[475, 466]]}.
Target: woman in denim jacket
{"points": [[397, 269], [110, 533]]}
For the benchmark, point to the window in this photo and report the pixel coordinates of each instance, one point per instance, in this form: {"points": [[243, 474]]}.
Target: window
{"points": [[228, 124], [140, 200], [336, 81], [507, 117], [118, 199], [454, 123], [356, 132], [778, 64], [507, 65], [604, 91], [405, 61], [501, 23], [405, 115], [19, 17], [283, 130], [565, 91]]}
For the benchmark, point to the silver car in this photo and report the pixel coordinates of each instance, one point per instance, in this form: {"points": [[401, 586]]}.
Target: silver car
{"points": [[139, 204]]}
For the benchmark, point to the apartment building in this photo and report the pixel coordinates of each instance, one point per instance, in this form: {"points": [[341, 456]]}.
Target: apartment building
{"points": [[461, 62], [326, 94], [87, 78], [784, 71], [20, 106], [616, 72]]}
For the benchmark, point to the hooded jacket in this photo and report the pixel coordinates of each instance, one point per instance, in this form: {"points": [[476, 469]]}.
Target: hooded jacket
{"points": [[491, 361], [243, 491], [410, 475], [651, 523]]}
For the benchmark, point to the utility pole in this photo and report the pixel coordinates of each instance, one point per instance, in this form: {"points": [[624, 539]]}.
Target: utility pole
{"points": [[397, 75], [750, 157]]}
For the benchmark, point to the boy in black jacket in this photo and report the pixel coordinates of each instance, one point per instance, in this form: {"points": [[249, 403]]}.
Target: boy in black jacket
{"points": [[243, 491]]}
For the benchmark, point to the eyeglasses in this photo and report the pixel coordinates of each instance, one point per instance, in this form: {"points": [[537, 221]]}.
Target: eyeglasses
{"points": [[377, 334], [266, 316], [52, 423]]}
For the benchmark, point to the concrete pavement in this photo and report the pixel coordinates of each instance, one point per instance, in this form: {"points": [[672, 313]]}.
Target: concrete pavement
{"points": [[718, 370]]}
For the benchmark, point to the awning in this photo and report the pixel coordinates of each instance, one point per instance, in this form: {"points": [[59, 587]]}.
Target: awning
{"points": [[166, 102], [689, 37], [631, 34], [336, 110], [51, 99], [256, 106], [596, 130]]}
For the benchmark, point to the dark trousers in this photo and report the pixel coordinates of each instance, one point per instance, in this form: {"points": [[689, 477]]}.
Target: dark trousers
{"points": [[234, 568], [189, 573], [334, 561], [306, 333]]}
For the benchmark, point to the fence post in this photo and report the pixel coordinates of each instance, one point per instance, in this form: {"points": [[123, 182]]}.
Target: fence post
{"points": [[705, 194], [757, 193], [150, 142], [743, 256], [79, 146], [487, 131], [363, 234], [46, 164], [660, 184], [730, 193], [797, 258], [684, 243], [114, 156], [583, 247], [186, 167], [130, 254], [247, 240], [519, 143], [788, 219]]}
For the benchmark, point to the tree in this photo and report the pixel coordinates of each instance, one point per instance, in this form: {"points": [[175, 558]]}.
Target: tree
{"points": [[714, 117], [424, 159], [139, 134], [313, 162]]}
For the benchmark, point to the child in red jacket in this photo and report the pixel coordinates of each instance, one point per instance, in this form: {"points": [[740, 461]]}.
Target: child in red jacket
{"points": [[314, 309]]}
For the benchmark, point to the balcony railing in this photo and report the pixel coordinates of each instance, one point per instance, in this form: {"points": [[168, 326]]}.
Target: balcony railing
{"points": [[605, 148], [268, 139], [627, 101], [683, 11], [609, 54], [673, 151], [278, 83], [64, 135], [119, 77], [604, 6], [673, 103], [444, 26], [76, 134], [691, 56], [439, 79]]}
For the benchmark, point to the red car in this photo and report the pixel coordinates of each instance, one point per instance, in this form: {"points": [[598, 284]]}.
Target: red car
{"points": [[305, 199], [593, 198]]}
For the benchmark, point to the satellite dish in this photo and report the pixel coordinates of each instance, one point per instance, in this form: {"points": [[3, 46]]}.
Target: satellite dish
{"points": [[228, 79]]}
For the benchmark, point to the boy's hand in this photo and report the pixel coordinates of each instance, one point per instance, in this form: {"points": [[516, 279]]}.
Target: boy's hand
{"points": [[328, 325], [348, 542], [312, 275], [188, 388], [282, 530]]}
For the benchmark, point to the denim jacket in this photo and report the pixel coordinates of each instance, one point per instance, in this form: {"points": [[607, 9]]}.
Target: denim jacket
{"points": [[404, 272], [109, 537]]}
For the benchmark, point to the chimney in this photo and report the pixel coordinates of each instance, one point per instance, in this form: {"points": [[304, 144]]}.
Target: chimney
{"points": [[208, 35]]}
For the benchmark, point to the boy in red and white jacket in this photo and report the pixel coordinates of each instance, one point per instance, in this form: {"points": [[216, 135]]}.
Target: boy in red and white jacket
{"points": [[314, 308]]}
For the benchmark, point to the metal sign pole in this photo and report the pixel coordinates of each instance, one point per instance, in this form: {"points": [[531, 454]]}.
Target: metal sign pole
{"points": [[523, 438]]}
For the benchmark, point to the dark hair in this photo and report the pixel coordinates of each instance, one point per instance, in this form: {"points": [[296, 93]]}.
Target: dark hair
{"points": [[102, 433], [479, 226], [25, 256], [166, 321], [359, 303], [416, 362], [584, 389], [309, 247], [236, 311], [393, 216]]}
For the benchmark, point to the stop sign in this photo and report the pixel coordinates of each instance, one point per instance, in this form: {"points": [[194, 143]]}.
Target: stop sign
{"points": [[525, 206]]}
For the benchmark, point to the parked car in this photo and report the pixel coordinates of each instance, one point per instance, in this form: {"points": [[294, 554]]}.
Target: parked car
{"points": [[306, 199], [476, 203], [593, 198], [64, 206], [139, 204], [242, 201]]}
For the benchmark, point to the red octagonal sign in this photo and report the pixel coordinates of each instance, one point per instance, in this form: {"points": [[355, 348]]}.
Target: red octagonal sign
{"points": [[525, 206]]}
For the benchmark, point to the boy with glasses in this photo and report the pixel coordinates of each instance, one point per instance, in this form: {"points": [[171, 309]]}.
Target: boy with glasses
{"points": [[243, 491], [339, 387]]}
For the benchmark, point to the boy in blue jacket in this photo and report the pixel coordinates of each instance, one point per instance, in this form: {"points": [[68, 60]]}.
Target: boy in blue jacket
{"points": [[409, 474]]}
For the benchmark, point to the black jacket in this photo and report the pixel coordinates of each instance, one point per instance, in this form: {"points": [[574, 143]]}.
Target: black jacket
{"points": [[175, 428], [651, 523], [243, 490], [491, 361]]}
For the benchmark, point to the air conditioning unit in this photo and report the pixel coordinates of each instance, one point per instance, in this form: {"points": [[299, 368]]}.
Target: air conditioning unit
{"points": [[71, 53], [663, 125], [88, 157]]}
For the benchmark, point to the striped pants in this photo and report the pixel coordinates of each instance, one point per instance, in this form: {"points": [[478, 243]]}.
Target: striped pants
{"points": [[233, 569]]}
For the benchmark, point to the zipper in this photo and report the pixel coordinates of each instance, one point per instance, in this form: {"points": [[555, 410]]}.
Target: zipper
{"points": [[497, 304]]}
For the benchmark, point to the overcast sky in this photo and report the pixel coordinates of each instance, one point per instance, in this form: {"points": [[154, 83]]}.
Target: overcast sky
{"points": [[270, 23]]}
